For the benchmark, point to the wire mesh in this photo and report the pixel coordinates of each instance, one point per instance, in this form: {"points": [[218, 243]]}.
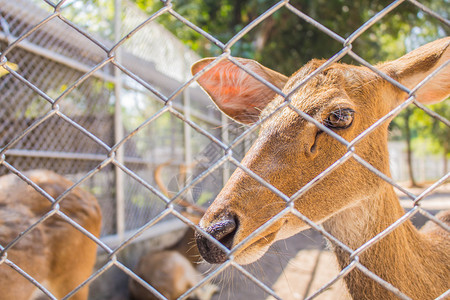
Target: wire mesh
{"points": [[58, 114]]}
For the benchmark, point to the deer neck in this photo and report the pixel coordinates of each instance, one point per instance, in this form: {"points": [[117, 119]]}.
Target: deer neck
{"points": [[405, 258]]}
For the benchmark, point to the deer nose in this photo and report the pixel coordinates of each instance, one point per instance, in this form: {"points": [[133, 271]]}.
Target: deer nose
{"points": [[223, 231]]}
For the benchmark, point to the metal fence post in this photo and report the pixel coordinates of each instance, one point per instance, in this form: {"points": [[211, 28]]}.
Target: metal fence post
{"points": [[118, 127], [226, 140], [187, 137]]}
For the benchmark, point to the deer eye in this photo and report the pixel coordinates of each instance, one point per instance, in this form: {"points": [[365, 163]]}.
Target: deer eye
{"points": [[340, 119]]}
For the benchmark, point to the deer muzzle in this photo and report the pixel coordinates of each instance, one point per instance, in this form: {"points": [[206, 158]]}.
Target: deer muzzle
{"points": [[223, 231]]}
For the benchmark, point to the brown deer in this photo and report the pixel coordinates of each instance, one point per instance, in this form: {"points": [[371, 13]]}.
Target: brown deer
{"points": [[54, 253], [169, 272], [351, 202], [172, 271]]}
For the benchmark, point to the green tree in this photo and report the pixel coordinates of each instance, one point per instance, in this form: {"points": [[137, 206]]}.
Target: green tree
{"points": [[432, 133], [406, 127], [285, 42]]}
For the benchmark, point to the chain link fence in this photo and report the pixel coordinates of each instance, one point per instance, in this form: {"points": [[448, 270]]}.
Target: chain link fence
{"points": [[107, 114], [63, 55]]}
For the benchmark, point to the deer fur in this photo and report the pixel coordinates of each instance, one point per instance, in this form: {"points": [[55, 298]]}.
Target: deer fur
{"points": [[168, 271], [351, 202], [54, 253]]}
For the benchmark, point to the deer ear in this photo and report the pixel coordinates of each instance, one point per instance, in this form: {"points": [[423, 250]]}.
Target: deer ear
{"points": [[413, 67], [238, 94]]}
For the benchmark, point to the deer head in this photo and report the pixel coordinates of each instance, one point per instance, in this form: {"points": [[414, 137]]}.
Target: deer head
{"points": [[291, 151]]}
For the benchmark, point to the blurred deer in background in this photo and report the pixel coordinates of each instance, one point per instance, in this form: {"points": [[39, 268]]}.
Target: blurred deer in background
{"points": [[54, 253], [172, 271], [351, 202], [169, 272]]}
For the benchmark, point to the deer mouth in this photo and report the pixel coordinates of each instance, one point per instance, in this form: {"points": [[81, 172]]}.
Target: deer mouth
{"points": [[247, 253], [257, 246], [255, 250]]}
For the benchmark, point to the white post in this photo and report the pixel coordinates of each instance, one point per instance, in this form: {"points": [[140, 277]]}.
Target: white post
{"points": [[226, 140], [187, 130], [118, 127], [188, 160]]}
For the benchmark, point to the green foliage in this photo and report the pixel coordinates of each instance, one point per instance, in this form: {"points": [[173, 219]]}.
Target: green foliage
{"points": [[285, 42], [430, 132]]}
